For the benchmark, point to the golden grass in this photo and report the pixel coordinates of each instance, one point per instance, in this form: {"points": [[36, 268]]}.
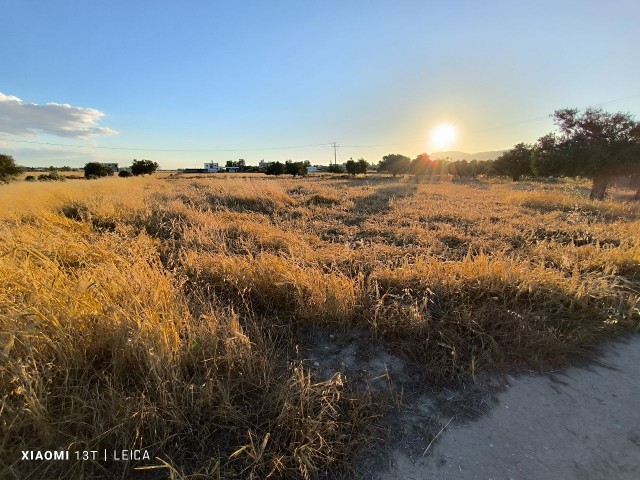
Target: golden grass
{"points": [[162, 313]]}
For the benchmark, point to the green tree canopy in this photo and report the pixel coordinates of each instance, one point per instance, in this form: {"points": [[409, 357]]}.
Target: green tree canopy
{"points": [[8, 168], [276, 168], [295, 168], [96, 169], [514, 163], [594, 144], [143, 167], [355, 167], [394, 163]]}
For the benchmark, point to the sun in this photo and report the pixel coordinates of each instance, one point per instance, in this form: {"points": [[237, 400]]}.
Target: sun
{"points": [[443, 136]]}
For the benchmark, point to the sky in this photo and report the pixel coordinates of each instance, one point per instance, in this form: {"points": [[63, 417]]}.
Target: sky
{"points": [[183, 83]]}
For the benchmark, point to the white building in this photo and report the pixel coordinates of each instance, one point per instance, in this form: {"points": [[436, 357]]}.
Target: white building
{"points": [[112, 166], [262, 165], [211, 167]]}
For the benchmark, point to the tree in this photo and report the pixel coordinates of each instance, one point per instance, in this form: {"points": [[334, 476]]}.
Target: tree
{"points": [[8, 168], [460, 168], [482, 167], [143, 167], [333, 168], [295, 168], [355, 167], [593, 144], [362, 165], [276, 168], [96, 169], [421, 165], [352, 167], [394, 163], [515, 162]]}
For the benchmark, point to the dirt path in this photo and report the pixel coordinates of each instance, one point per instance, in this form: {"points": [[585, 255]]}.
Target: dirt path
{"points": [[583, 423]]}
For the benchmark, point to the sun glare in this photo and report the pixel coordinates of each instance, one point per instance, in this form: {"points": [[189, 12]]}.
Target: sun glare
{"points": [[443, 136]]}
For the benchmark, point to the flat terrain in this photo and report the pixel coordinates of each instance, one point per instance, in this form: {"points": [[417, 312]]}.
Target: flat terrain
{"points": [[254, 327], [582, 424]]}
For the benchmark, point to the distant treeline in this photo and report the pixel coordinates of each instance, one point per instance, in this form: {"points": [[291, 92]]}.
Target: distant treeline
{"points": [[593, 144]]}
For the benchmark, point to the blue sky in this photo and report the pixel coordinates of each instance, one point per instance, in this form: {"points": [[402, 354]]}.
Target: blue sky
{"points": [[203, 77]]}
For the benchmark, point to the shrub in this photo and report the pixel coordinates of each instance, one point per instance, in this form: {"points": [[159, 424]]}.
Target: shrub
{"points": [[125, 174], [51, 177], [96, 169]]}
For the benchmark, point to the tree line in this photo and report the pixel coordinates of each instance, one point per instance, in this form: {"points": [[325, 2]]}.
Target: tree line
{"points": [[592, 144]]}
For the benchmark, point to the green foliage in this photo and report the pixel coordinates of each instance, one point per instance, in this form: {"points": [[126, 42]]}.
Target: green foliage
{"points": [[30, 178], [295, 168], [515, 163], [276, 168], [143, 167], [335, 169], [593, 144], [8, 168], [125, 174], [590, 144], [95, 170], [394, 163], [465, 169], [355, 167]]}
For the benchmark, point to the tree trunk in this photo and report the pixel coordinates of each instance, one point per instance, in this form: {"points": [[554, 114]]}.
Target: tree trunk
{"points": [[599, 188]]}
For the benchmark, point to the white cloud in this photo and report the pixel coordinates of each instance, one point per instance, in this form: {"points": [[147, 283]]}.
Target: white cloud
{"points": [[63, 120]]}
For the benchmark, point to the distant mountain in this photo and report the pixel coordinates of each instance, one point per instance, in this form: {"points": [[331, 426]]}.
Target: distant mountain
{"points": [[455, 155]]}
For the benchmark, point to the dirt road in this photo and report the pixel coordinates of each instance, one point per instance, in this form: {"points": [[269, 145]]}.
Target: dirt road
{"points": [[583, 423]]}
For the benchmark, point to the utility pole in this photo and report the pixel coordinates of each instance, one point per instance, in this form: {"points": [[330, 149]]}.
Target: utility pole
{"points": [[335, 157]]}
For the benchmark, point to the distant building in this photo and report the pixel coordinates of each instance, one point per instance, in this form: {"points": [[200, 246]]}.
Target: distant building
{"points": [[211, 167], [232, 169], [312, 169], [262, 165], [113, 166]]}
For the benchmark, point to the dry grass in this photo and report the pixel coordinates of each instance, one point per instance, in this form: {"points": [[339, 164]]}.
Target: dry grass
{"points": [[163, 313]]}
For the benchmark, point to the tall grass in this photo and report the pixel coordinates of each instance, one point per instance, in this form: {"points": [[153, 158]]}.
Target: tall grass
{"points": [[163, 314]]}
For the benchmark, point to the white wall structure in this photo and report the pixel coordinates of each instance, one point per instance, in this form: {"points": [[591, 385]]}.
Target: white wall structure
{"points": [[262, 165], [211, 167]]}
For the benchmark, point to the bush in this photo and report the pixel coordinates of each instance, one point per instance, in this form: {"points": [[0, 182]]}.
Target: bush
{"points": [[51, 177], [125, 174], [30, 178], [8, 168], [95, 170]]}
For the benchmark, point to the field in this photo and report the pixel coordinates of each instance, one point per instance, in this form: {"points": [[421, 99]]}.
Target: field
{"points": [[265, 327]]}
